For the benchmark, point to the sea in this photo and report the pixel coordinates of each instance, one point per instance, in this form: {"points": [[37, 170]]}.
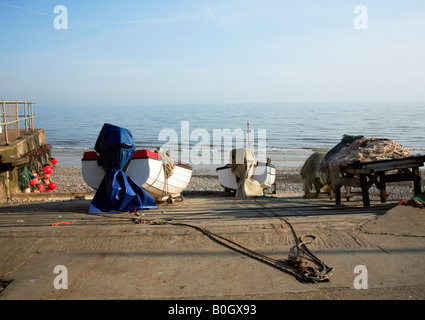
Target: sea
{"points": [[203, 135]]}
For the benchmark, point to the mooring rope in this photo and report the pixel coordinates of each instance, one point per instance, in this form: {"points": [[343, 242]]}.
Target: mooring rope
{"points": [[302, 273]]}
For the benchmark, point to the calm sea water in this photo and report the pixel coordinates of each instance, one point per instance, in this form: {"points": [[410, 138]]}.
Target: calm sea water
{"points": [[293, 131]]}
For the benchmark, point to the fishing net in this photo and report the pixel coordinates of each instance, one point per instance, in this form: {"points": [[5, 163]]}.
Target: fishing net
{"points": [[24, 177], [38, 159], [310, 171], [366, 150], [324, 165], [345, 141], [418, 201]]}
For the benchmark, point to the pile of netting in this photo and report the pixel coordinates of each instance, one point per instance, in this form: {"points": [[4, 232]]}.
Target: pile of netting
{"points": [[37, 175], [366, 150]]}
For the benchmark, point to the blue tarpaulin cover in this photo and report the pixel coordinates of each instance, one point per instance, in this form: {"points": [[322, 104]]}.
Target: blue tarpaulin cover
{"points": [[117, 191]]}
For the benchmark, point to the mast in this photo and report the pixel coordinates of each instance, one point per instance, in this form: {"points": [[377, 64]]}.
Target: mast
{"points": [[248, 131]]}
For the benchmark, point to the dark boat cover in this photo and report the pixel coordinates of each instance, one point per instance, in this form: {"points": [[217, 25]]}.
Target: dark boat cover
{"points": [[117, 191]]}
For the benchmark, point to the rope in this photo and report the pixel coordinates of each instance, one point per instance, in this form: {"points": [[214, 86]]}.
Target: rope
{"points": [[167, 173], [302, 273], [309, 274], [168, 169]]}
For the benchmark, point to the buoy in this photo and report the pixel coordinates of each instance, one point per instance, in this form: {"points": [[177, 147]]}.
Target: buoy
{"points": [[34, 181], [48, 190], [48, 170], [52, 186], [54, 161], [41, 187]]}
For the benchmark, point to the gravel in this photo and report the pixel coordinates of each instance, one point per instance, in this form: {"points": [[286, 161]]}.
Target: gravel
{"points": [[70, 180]]}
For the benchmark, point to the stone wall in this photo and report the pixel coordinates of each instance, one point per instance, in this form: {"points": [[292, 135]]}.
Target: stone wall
{"points": [[9, 180]]}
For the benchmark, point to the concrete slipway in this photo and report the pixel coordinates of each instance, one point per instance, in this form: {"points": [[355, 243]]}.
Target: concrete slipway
{"points": [[112, 257]]}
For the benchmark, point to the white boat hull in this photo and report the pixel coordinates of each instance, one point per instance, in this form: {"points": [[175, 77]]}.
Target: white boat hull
{"points": [[146, 170], [264, 173]]}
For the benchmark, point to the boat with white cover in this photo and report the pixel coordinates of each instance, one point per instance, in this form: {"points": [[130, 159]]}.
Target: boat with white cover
{"points": [[264, 173], [245, 174]]}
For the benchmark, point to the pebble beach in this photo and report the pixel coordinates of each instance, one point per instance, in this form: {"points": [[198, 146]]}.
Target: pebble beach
{"points": [[70, 180]]}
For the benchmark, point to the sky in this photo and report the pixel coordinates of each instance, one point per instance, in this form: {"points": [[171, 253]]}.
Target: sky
{"points": [[146, 52]]}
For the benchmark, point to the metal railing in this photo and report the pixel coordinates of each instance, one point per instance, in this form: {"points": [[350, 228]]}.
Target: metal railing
{"points": [[17, 118]]}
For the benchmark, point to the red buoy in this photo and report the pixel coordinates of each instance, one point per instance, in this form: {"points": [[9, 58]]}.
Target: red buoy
{"points": [[34, 181], [52, 185], [48, 170], [54, 161]]}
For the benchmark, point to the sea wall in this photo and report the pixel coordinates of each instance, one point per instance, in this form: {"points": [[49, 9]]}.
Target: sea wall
{"points": [[16, 150]]}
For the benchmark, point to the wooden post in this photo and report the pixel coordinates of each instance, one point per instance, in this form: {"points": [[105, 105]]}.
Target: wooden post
{"points": [[338, 194], [416, 182], [365, 190], [382, 187], [347, 193]]}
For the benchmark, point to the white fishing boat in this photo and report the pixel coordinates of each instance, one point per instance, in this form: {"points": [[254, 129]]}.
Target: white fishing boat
{"points": [[264, 173], [245, 175], [148, 170]]}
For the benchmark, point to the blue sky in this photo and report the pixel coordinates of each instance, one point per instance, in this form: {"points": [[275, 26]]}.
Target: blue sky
{"points": [[216, 51]]}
